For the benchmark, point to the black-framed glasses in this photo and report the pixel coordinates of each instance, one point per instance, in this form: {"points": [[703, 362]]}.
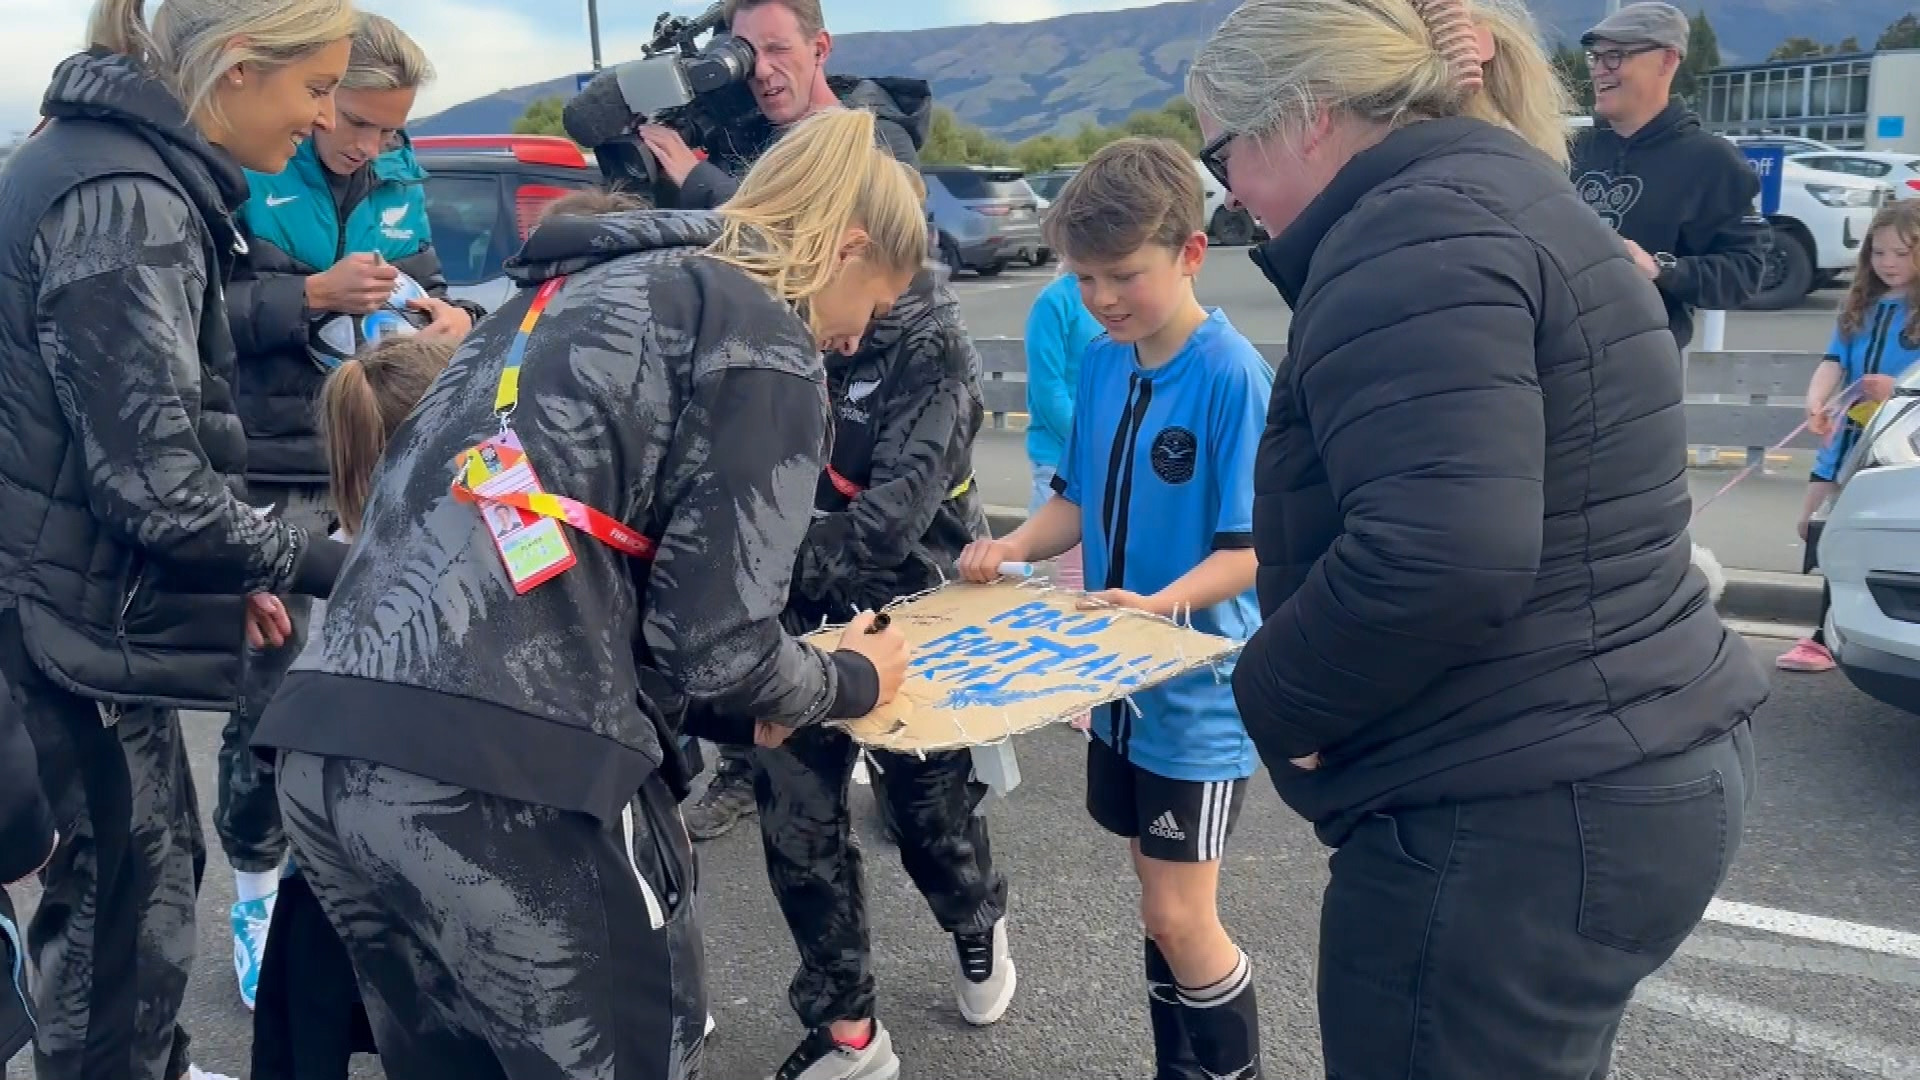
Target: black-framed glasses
{"points": [[1609, 60], [1212, 156]]}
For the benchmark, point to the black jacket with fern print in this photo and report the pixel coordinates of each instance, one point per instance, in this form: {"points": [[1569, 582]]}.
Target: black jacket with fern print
{"points": [[124, 552], [662, 387], [897, 504]]}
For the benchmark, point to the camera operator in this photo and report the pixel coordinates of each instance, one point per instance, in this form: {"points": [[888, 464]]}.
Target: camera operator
{"points": [[790, 46], [789, 83]]}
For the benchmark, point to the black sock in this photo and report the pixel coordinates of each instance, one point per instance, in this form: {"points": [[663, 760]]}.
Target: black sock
{"points": [[1223, 1023], [1172, 1054]]}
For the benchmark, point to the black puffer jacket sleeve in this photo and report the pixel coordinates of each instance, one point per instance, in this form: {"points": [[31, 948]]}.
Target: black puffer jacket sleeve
{"points": [[267, 301], [1428, 420]]}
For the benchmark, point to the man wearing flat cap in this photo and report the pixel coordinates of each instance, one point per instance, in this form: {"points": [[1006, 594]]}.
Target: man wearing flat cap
{"points": [[1682, 199]]}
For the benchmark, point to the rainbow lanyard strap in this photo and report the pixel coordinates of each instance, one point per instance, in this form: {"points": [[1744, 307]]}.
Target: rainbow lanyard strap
{"points": [[474, 466]]}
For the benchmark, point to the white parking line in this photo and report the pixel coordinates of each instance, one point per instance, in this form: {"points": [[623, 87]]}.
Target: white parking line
{"points": [[1874, 1057], [1802, 959], [1816, 928]]}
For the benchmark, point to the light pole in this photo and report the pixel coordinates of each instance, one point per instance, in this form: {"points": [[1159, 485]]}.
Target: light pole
{"points": [[593, 30]]}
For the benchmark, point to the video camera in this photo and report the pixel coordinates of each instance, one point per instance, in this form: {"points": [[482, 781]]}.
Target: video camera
{"points": [[699, 92]]}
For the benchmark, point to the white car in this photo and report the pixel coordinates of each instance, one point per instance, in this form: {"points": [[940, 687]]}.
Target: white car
{"points": [[1901, 172], [1869, 545], [1817, 232], [1230, 226]]}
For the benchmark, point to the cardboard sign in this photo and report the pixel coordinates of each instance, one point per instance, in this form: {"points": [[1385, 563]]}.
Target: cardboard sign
{"points": [[993, 661]]}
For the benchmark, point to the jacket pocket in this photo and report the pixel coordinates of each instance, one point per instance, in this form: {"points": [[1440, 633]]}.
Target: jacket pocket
{"points": [[660, 852], [1652, 858]]}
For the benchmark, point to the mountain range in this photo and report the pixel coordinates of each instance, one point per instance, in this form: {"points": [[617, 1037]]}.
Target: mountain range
{"points": [[1021, 79]]}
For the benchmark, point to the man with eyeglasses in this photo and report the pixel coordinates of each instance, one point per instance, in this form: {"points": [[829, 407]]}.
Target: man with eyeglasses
{"points": [[1682, 199]]}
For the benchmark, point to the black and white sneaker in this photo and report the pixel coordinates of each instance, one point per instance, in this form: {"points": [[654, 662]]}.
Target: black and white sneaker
{"points": [[986, 979], [820, 1057]]}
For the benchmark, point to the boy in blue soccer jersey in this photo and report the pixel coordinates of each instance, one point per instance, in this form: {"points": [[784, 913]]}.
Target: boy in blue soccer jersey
{"points": [[1156, 485]]}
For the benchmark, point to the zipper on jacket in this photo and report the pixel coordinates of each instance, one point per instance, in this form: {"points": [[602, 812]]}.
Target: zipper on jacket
{"points": [[110, 711], [110, 714]]}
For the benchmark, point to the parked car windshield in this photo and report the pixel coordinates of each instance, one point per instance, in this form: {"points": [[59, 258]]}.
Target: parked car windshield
{"points": [[985, 185]]}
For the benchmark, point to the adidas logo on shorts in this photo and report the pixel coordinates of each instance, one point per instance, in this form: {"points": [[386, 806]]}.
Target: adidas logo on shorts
{"points": [[1166, 828]]}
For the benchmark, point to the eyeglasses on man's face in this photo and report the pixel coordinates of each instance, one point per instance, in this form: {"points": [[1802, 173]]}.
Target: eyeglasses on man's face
{"points": [[1609, 60]]}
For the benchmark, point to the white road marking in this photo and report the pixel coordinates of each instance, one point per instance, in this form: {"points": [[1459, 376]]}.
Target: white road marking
{"points": [[1816, 928], [1874, 1057], [1801, 959]]}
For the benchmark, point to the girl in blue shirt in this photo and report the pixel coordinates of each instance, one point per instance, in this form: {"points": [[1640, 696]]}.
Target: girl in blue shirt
{"points": [[1876, 342]]}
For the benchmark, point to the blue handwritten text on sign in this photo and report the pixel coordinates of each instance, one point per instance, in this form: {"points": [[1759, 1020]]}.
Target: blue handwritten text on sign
{"points": [[1032, 641]]}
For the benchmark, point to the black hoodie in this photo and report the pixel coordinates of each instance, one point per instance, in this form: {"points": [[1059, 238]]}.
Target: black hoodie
{"points": [[903, 109], [123, 549], [1675, 189]]}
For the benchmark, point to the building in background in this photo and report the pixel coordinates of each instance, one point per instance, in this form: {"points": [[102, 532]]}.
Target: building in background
{"points": [[1860, 101]]}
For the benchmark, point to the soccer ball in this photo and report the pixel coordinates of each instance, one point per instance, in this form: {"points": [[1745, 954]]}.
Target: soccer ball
{"points": [[333, 337]]}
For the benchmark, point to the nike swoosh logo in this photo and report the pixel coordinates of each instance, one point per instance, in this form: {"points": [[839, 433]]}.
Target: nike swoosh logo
{"points": [[280, 200]]}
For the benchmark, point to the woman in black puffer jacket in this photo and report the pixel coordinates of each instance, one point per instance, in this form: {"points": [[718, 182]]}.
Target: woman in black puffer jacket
{"points": [[1488, 672]]}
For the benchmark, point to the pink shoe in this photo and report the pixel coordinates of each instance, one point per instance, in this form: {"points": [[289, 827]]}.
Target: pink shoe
{"points": [[1806, 655]]}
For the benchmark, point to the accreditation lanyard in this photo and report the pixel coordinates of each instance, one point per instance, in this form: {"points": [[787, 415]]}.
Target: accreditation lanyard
{"points": [[496, 476]]}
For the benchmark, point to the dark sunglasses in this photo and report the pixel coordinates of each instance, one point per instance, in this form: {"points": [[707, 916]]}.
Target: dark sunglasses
{"points": [[1610, 60], [1210, 156]]}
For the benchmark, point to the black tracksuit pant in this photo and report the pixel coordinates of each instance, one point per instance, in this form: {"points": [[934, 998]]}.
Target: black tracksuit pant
{"points": [[815, 867]]}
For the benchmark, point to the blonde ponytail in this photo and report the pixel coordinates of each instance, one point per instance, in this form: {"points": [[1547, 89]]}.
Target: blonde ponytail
{"points": [[785, 224], [362, 403], [1523, 90], [120, 26]]}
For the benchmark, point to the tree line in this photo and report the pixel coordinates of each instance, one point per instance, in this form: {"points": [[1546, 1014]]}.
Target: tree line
{"points": [[1902, 33], [952, 141]]}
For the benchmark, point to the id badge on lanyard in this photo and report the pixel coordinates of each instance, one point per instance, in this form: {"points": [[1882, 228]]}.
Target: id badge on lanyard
{"points": [[521, 516]]}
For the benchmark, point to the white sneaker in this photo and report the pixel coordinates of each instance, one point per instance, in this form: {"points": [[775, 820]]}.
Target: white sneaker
{"points": [[819, 1057], [195, 1072], [986, 980], [710, 1025]]}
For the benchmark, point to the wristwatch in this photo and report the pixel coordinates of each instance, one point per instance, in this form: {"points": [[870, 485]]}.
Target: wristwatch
{"points": [[1665, 261]]}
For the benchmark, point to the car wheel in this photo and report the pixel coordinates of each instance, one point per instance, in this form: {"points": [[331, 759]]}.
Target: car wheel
{"points": [[1041, 256], [950, 254], [1788, 276], [1231, 228], [992, 269]]}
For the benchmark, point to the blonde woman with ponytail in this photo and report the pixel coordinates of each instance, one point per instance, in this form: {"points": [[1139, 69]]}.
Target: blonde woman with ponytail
{"points": [[132, 580], [1488, 673], [479, 763]]}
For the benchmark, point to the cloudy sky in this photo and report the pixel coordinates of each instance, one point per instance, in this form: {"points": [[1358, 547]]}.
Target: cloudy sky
{"points": [[483, 45]]}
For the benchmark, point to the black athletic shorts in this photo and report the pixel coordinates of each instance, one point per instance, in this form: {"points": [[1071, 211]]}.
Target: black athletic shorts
{"points": [[1175, 820]]}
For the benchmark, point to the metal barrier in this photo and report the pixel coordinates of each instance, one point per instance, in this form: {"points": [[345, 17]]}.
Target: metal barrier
{"points": [[1744, 399]]}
